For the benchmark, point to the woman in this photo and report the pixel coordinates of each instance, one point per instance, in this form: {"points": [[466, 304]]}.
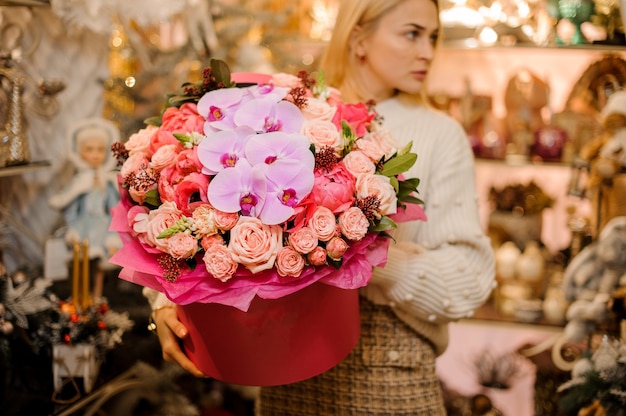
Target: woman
{"points": [[437, 271]]}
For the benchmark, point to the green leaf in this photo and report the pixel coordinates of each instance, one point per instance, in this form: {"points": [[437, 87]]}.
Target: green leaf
{"points": [[407, 187], [221, 72], [152, 198], [182, 138], [399, 164], [153, 121], [385, 224], [406, 149], [191, 263], [394, 182], [350, 138], [410, 199], [335, 263]]}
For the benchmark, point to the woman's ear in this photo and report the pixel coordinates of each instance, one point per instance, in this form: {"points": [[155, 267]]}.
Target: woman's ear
{"points": [[357, 44]]}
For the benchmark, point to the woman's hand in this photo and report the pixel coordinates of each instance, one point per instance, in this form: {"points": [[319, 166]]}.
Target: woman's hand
{"points": [[170, 331]]}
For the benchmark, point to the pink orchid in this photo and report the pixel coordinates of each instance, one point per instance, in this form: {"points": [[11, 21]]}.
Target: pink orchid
{"points": [[223, 149], [240, 188], [278, 146], [267, 115], [218, 108]]}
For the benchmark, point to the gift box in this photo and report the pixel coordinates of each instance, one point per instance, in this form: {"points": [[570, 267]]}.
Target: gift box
{"points": [[277, 341]]}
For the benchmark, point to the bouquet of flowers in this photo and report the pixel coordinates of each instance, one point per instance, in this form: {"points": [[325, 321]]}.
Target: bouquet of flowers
{"points": [[259, 188]]}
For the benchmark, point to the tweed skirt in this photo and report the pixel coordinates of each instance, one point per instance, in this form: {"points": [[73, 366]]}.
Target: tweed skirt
{"points": [[390, 372]]}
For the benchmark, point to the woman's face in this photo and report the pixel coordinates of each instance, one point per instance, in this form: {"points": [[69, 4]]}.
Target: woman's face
{"points": [[93, 151], [400, 50]]}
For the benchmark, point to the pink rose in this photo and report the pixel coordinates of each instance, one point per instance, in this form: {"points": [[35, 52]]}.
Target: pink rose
{"points": [[187, 161], [138, 221], [303, 240], [353, 224], [209, 240], [219, 262], [164, 156], [183, 120], [335, 189], [191, 192], [139, 142], [316, 109], [289, 263], [255, 244], [336, 248], [182, 246], [160, 220], [357, 116], [323, 133], [323, 223], [169, 178], [317, 257], [286, 80], [375, 145], [226, 220], [380, 187], [163, 137], [204, 220], [358, 163]]}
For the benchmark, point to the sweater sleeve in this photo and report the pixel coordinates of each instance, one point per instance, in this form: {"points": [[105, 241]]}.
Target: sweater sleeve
{"points": [[157, 300], [442, 269]]}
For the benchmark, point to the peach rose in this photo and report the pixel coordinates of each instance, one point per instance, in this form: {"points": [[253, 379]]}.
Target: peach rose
{"points": [[164, 156], [282, 79], [323, 133], [182, 246], [318, 110], [139, 194], [135, 163], [255, 244], [225, 220], [375, 145], [317, 257], [204, 220], [160, 220], [209, 240], [336, 248], [380, 187], [289, 263], [358, 163], [353, 224], [303, 240], [139, 142], [219, 262], [323, 223]]}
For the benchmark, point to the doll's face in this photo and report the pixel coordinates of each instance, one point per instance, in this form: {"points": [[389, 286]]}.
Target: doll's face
{"points": [[93, 151]]}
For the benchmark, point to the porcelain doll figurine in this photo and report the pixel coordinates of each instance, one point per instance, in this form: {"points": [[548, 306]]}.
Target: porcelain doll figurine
{"points": [[87, 199]]}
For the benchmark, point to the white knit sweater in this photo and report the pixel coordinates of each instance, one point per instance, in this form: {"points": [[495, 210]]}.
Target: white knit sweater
{"points": [[442, 269]]}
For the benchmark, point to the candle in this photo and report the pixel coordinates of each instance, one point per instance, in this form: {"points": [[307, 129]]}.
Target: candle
{"points": [[75, 272], [85, 298]]}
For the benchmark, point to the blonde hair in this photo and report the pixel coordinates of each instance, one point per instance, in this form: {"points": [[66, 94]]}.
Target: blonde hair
{"points": [[339, 61]]}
